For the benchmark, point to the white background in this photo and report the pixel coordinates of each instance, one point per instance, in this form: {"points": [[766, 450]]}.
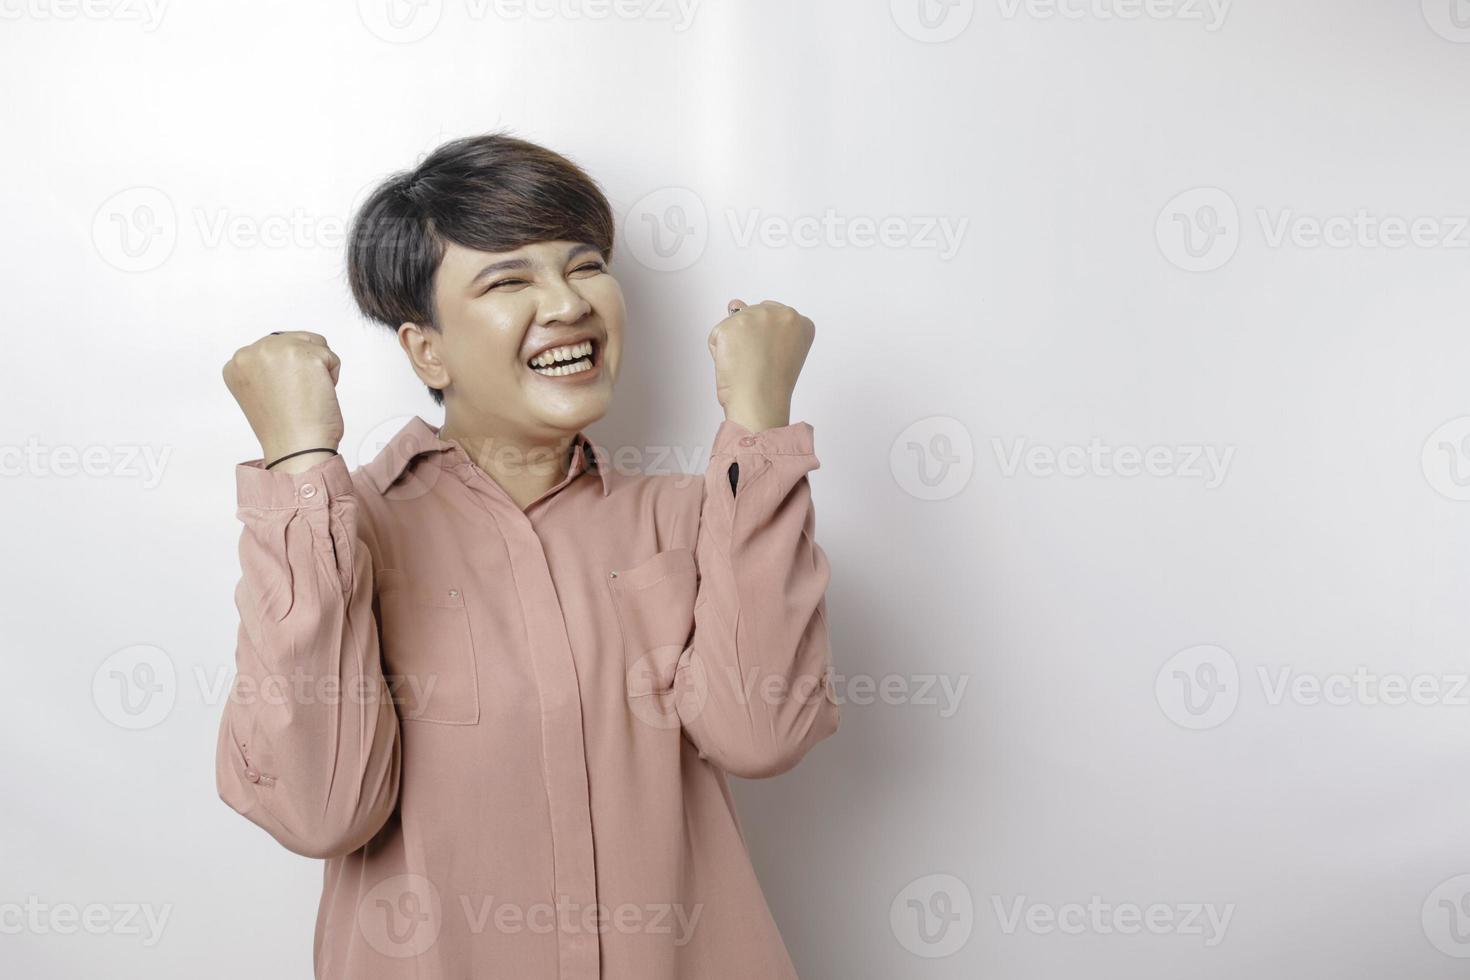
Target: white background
{"points": [[1082, 762]]}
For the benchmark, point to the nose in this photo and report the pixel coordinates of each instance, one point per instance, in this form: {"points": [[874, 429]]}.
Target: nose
{"points": [[560, 303]]}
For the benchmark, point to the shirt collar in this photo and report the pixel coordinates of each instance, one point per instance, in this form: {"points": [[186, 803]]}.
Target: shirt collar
{"points": [[419, 438]]}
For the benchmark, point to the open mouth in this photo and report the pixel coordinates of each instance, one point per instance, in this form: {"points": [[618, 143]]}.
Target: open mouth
{"points": [[564, 362]]}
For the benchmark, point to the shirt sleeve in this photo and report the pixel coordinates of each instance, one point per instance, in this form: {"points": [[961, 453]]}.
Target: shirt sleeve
{"points": [[308, 746], [755, 684]]}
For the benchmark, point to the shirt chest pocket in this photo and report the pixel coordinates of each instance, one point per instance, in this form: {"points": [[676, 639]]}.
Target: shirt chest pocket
{"points": [[428, 652], [655, 606]]}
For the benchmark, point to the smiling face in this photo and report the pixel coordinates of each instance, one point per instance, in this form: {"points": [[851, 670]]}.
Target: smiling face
{"points": [[498, 311]]}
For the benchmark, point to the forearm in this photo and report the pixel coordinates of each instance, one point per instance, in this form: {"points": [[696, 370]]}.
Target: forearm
{"points": [[761, 659], [308, 744]]}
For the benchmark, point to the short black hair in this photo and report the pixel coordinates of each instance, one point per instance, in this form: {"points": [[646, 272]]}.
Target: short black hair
{"points": [[492, 193]]}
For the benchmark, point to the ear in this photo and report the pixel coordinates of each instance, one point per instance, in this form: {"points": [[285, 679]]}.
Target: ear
{"points": [[422, 345]]}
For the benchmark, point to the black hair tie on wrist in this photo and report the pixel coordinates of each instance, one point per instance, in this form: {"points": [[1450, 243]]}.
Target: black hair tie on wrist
{"points": [[301, 452]]}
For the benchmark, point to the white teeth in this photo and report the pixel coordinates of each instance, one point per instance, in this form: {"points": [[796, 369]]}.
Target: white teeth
{"points": [[567, 353], [547, 362], [561, 370]]}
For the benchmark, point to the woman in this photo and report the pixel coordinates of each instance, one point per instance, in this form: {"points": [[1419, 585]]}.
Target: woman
{"points": [[495, 682]]}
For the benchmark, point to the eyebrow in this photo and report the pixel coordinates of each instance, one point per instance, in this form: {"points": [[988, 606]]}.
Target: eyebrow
{"points": [[502, 266]]}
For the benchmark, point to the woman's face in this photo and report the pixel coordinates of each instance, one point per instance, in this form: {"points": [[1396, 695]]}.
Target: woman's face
{"points": [[498, 310]]}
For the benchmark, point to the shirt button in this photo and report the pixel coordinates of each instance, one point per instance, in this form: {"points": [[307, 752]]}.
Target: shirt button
{"points": [[747, 440], [252, 775], [308, 490]]}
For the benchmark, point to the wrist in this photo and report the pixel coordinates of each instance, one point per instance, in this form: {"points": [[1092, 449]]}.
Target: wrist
{"points": [[758, 418], [297, 460]]}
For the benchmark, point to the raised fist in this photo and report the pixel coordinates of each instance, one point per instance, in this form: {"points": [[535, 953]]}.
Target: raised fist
{"points": [[286, 384], [759, 352]]}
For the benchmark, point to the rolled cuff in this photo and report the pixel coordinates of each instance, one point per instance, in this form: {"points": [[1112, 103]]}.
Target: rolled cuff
{"points": [[256, 486], [734, 439]]}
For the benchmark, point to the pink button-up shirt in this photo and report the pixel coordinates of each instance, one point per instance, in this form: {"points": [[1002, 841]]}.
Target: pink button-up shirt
{"points": [[508, 732]]}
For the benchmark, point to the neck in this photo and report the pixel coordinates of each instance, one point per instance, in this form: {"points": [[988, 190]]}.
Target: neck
{"points": [[524, 466]]}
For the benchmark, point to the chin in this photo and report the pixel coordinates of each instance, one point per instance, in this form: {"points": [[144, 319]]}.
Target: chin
{"points": [[570, 418]]}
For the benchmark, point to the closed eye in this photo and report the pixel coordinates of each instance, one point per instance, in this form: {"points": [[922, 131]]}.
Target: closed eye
{"points": [[588, 266]]}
